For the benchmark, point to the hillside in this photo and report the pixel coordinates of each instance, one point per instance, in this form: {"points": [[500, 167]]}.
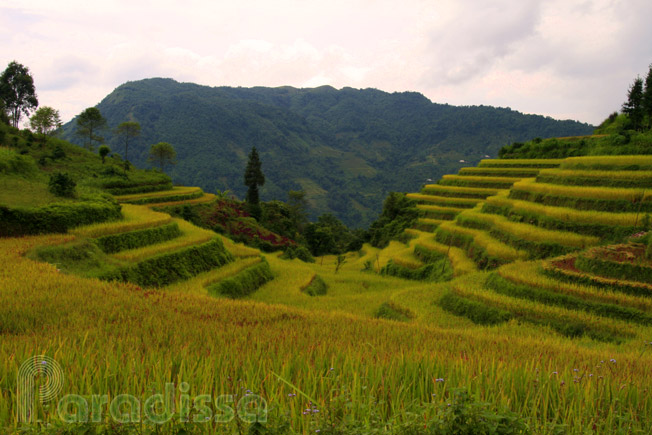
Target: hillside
{"points": [[344, 345], [346, 148]]}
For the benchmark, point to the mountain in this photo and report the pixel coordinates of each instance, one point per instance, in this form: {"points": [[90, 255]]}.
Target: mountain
{"points": [[346, 148]]}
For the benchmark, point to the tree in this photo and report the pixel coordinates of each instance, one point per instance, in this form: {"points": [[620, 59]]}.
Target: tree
{"points": [[162, 154], [254, 177], [104, 151], [647, 97], [45, 120], [633, 107], [298, 206], [17, 91], [126, 131], [89, 123]]}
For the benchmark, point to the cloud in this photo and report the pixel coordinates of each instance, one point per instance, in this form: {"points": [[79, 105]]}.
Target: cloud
{"points": [[563, 59]]}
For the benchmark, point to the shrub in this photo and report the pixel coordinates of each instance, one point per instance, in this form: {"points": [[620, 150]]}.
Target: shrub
{"points": [[475, 311], [168, 268], [62, 184], [57, 218], [12, 162], [300, 252], [317, 287], [245, 282], [393, 311], [136, 239], [438, 271]]}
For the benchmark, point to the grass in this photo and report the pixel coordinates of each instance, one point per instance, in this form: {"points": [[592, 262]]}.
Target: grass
{"points": [[16, 191], [385, 368]]}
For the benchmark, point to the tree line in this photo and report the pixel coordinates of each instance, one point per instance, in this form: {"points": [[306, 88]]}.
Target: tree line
{"points": [[638, 106], [18, 97]]}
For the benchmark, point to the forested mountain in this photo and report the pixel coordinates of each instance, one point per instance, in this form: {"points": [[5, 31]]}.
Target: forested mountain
{"points": [[346, 148]]}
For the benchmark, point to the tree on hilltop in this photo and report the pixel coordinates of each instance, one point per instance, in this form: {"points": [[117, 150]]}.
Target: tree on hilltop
{"points": [[17, 91], [89, 123], [45, 120], [126, 131], [162, 154]]}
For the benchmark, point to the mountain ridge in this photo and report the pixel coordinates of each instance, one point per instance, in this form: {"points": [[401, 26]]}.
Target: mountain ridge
{"points": [[346, 148]]}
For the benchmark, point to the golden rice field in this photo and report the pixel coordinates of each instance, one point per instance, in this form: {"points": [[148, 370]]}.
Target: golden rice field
{"points": [[113, 339], [175, 191], [473, 181], [481, 238], [522, 163], [439, 208], [596, 174], [607, 162], [205, 198], [459, 189], [443, 199], [529, 232], [331, 363], [565, 214], [190, 235], [529, 273], [518, 172], [135, 217], [607, 193]]}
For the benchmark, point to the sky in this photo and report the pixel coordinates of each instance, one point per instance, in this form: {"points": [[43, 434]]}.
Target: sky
{"points": [[568, 59]]}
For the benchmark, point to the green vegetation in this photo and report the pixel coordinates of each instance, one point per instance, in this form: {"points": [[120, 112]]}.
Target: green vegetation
{"points": [[393, 311], [17, 92], [393, 330], [244, 283], [317, 287], [89, 123], [344, 148]]}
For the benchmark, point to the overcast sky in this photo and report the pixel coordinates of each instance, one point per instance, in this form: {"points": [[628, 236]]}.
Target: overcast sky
{"points": [[569, 59]]}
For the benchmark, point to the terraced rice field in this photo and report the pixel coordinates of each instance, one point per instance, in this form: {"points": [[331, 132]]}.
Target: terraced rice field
{"points": [[563, 348]]}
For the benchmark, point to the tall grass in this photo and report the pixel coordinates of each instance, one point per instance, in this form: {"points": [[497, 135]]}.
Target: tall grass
{"points": [[113, 338]]}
